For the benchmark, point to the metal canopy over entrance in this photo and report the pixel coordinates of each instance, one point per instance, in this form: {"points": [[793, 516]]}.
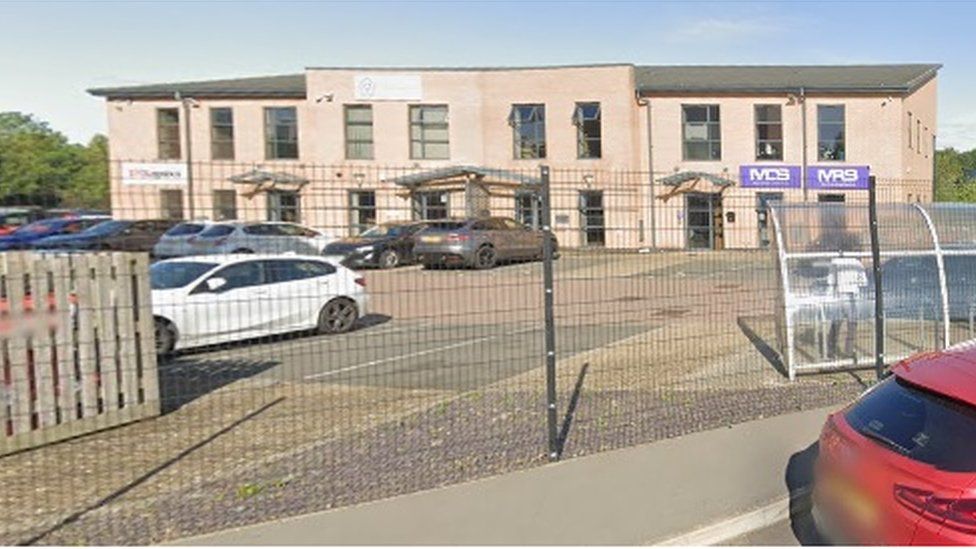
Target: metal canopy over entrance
{"points": [[825, 316], [477, 183]]}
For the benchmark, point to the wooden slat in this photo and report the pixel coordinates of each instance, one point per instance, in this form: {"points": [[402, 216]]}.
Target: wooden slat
{"points": [[15, 268], [125, 329], [45, 404], [67, 397], [147, 339], [87, 322], [103, 290]]}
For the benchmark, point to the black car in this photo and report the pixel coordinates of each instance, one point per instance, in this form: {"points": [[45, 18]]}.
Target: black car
{"points": [[385, 246], [116, 235]]}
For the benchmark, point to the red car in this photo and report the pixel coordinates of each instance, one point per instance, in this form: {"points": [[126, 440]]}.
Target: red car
{"points": [[898, 466]]}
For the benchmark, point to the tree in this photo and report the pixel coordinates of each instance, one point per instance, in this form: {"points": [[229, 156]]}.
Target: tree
{"points": [[955, 176], [39, 166]]}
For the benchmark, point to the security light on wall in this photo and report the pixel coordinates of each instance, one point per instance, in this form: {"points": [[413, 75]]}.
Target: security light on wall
{"points": [[588, 179], [327, 97]]}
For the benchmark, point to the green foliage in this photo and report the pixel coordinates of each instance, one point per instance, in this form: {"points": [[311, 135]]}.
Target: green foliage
{"points": [[955, 176], [39, 166]]}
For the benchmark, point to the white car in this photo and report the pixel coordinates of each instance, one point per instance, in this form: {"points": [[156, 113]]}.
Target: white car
{"points": [[268, 237], [206, 300], [176, 241]]}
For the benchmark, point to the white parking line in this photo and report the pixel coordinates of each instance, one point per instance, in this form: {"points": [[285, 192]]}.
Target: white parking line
{"points": [[420, 353]]}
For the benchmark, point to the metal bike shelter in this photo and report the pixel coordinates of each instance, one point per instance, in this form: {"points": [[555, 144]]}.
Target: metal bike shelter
{"points": [[825, 315]]}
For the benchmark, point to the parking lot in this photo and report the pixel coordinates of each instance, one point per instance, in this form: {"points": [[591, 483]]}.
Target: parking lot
{"points": [[442, 381]]}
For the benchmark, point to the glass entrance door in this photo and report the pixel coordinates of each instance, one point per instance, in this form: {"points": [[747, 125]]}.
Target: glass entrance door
{"points": [[762, 214], [703, 218]]}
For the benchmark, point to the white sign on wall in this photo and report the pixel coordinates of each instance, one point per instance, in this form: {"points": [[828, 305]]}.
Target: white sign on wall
{"points": [[145, 173], [388, 87]]}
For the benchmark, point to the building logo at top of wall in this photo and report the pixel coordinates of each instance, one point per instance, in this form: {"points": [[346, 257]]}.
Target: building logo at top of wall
{"points": [[387, 87], [776, 177], [143, 173], [838, 177]]}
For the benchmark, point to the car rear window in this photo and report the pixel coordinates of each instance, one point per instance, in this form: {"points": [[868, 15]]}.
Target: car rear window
{"points": [[918, 423], [445, 225], [185, 229], [215, 231]]}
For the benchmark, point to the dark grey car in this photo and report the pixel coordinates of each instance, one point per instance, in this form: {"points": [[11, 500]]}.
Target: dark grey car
{"points": [[481, 243]]}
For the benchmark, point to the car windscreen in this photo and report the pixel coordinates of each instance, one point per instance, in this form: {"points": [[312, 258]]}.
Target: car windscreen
{"points": [[40, 227], [185, 229], [917, 423], [380, 231], [446, 225], [176, 274], [216, 231], [106, 228]]}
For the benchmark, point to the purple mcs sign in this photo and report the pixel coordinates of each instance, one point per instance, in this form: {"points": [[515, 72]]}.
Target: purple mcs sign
{"points": [[770, 177], [838, 177]]}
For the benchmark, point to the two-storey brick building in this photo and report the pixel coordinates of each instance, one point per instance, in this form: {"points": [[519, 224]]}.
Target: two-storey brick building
{"points": [[640, 156]]}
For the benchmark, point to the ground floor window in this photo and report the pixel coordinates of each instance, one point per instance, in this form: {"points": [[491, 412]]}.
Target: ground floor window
{"points": [[431, 205], [171, 204], [224, 205], [284, 206], [528, 209], [762, 213], [703, 219], [362, 211], [592, 218]]}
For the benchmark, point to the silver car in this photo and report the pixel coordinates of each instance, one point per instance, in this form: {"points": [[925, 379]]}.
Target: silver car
{"points": [[176, 241], [481, 243], [258, 237]]}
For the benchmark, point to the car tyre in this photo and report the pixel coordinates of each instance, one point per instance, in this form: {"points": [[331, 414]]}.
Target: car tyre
{"points": [[165, 334], [389, 259], [243, 251], [485, 257], [338, 316]]}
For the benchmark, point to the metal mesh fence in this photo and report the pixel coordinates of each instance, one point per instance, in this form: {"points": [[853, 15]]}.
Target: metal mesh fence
{"points": [[304, 366]]}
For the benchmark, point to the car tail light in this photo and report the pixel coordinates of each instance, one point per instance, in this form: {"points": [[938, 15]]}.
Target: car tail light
{"points": [[454, 237], [361, 281], [955, 513]]}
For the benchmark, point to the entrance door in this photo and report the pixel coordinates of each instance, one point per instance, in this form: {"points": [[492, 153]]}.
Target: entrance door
{"points": [[703, 214], [528, 209], [762, 214], [592, 220]]}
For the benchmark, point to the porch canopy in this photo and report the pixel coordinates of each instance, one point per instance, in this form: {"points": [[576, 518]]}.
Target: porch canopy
{"points": [[266, 181], [825, 314], [688, 182], [478, 183]]}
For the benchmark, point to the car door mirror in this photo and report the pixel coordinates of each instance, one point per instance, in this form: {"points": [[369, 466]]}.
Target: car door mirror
{"points": [[216, 283]]}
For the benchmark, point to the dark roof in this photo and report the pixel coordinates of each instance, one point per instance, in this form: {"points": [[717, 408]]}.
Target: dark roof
{"points": [[783, 78], [285, 85]]}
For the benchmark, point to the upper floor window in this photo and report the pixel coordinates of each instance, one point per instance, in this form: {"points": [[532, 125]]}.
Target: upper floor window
{"points": [[168, 133], [918, 136], [769, 132], [529, 130], [429, 132], [830, 132], [702, 132], [359, 132], [222, 133], [589, 133], [280, 133], [910, 131]]}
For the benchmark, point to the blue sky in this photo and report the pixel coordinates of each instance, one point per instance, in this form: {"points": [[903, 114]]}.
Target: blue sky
{"points": [[50, 52]]}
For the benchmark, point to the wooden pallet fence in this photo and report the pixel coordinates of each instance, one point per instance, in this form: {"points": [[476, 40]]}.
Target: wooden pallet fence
{"points": [[77, 349]]}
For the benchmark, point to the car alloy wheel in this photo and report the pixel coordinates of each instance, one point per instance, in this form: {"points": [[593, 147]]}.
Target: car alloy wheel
{"points": [[338, 316], [485, 258], [389, 259]]}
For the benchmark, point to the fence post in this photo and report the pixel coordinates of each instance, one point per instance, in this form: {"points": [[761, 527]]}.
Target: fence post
{"points": [[879, 332], [550, 320]]}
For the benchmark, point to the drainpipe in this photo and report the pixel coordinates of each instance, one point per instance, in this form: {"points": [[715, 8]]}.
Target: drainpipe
{"points": [[186, 103], [933, 168], [646, 102], [803, 123]]}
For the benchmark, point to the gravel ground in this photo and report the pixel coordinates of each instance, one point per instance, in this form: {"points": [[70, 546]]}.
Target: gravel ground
{"points": [[480, 435]]}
